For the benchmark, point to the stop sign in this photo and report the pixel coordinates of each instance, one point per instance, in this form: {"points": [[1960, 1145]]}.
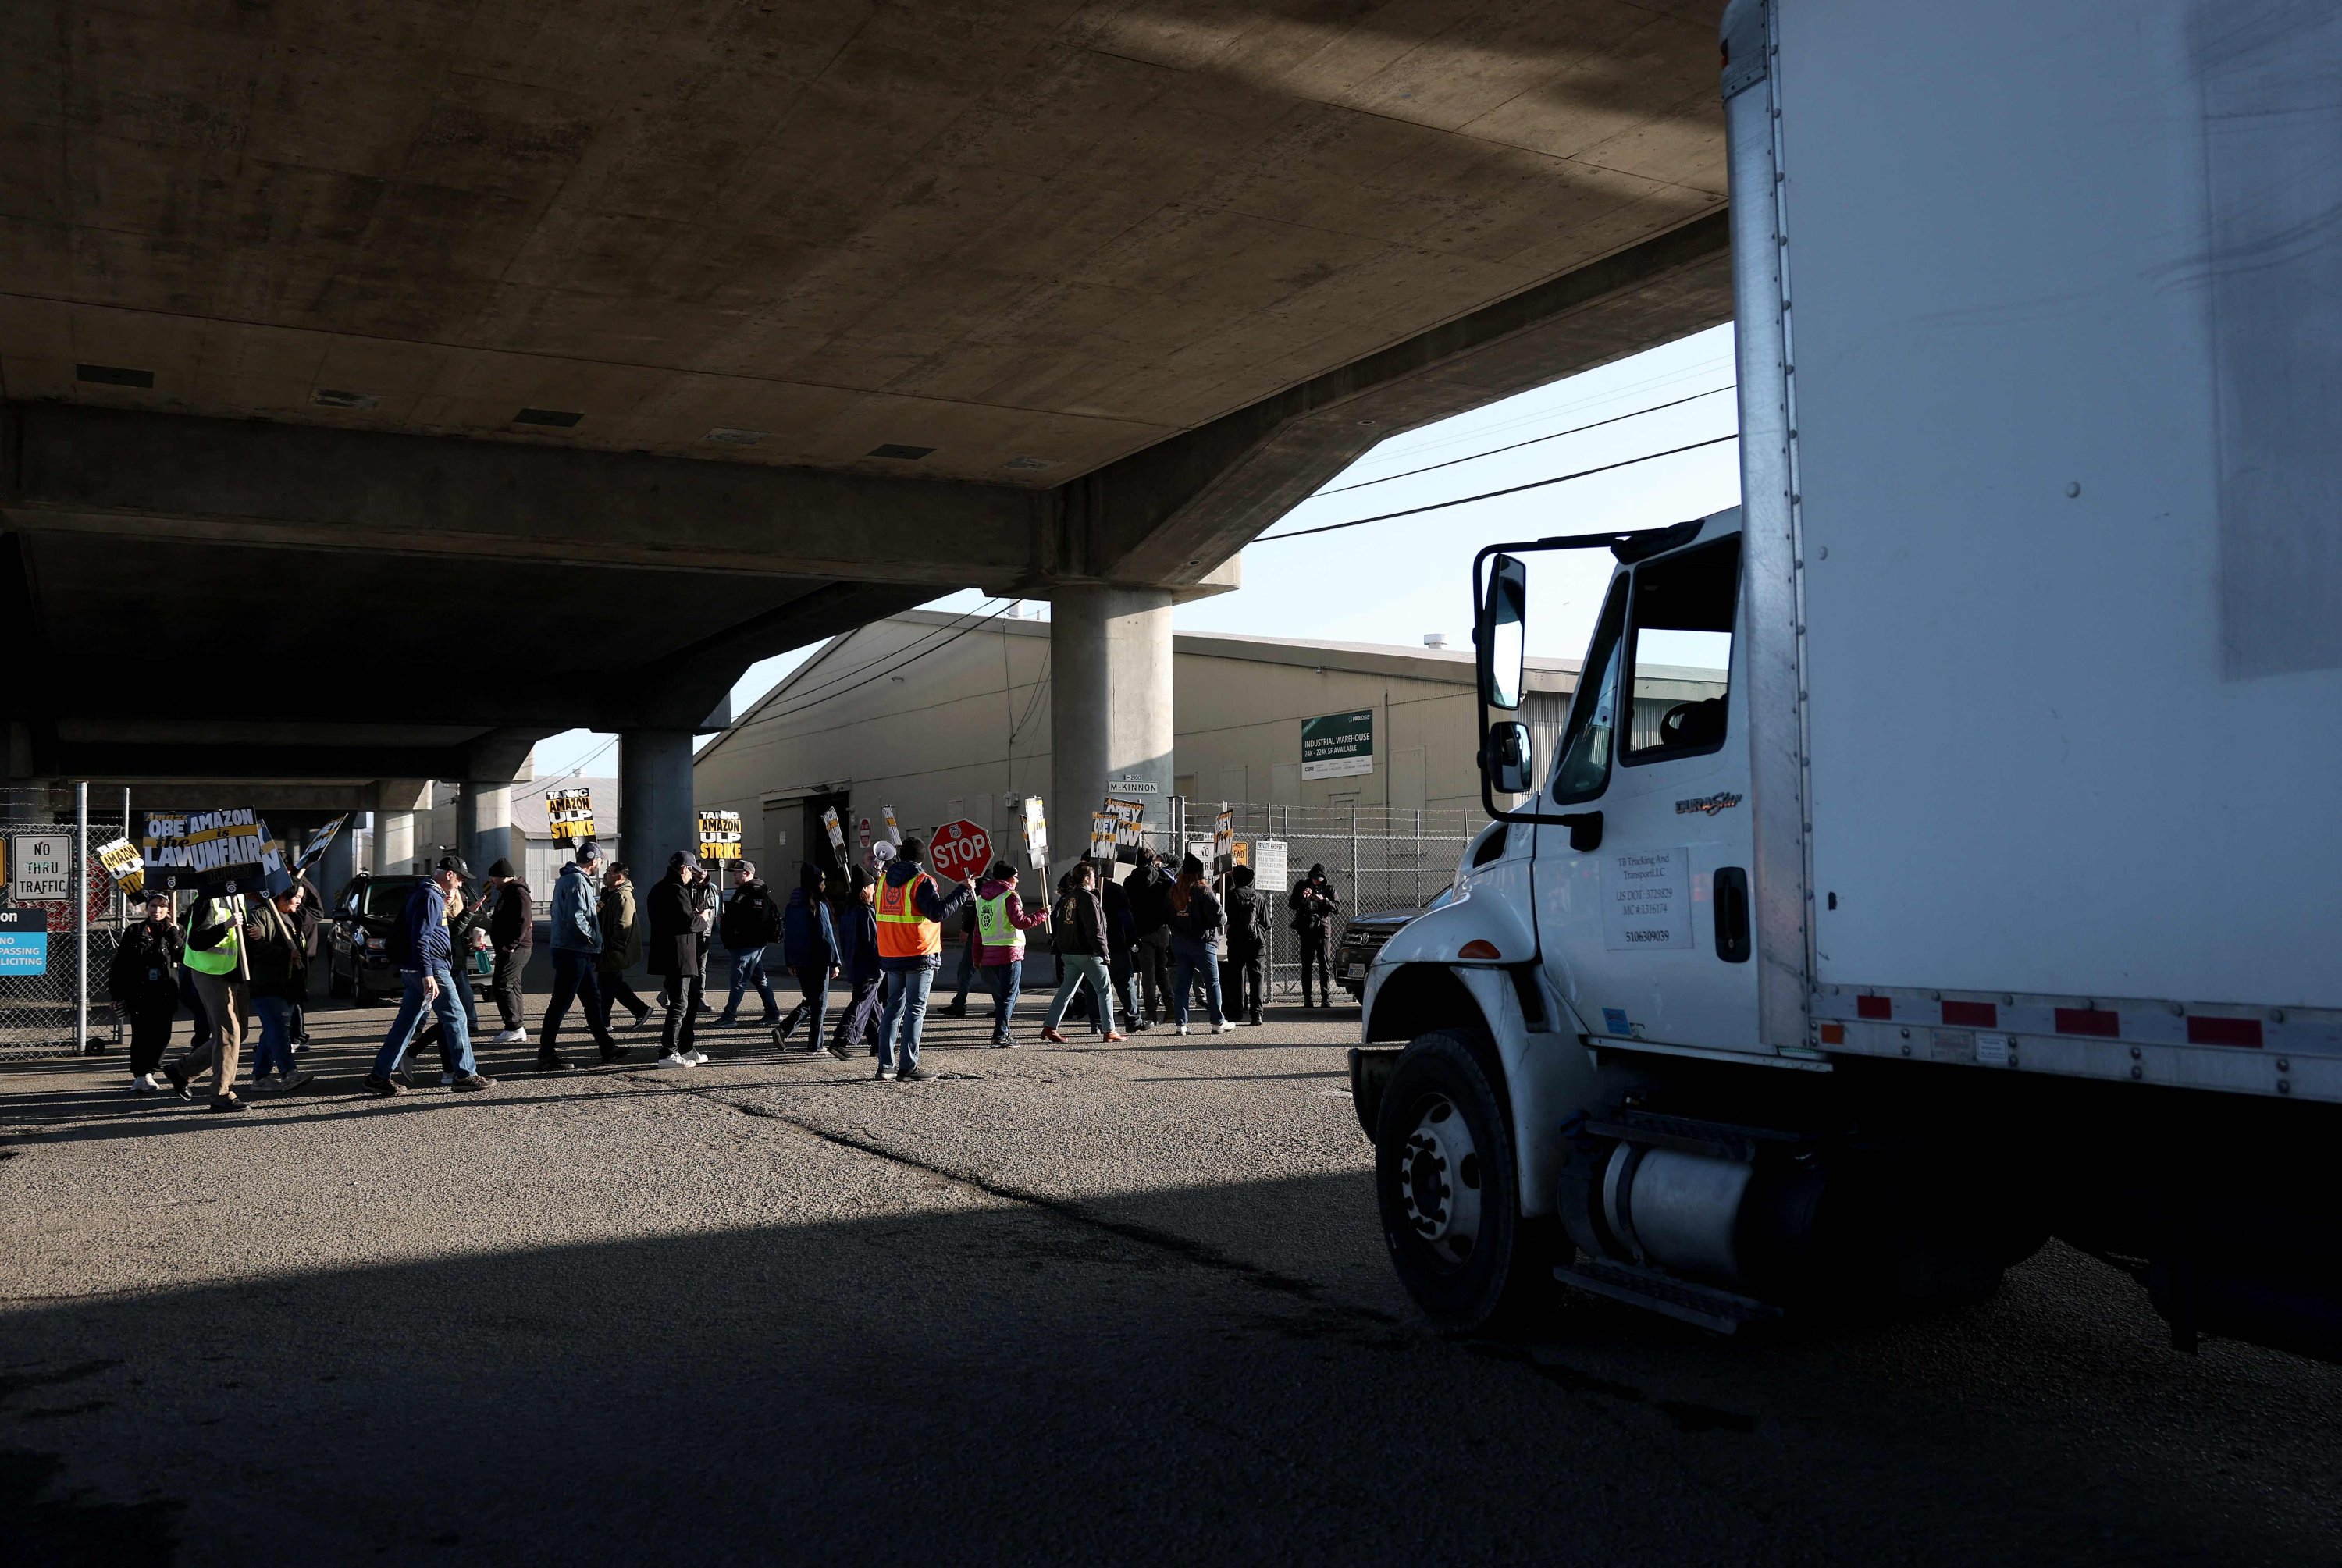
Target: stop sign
{"points": [[960, 850]]}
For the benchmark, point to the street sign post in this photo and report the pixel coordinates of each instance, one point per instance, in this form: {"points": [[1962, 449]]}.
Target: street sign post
{"points": [[960, 850]]}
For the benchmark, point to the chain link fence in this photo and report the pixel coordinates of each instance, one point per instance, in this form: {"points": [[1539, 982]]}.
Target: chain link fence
{"points": [[40, 1007], [1380, 860]]}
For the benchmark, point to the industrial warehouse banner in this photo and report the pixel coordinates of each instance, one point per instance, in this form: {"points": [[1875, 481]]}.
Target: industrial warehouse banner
{"points": [[719, 835], [1336, 746], [569, 813]]}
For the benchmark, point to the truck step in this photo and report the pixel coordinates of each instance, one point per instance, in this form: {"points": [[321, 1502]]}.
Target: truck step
{"points": [[1702, 1307]]}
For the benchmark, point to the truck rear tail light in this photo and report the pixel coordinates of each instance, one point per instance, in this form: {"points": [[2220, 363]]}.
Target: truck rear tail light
{"points": [[2089, 1021], [2245, 1032], [1972, 1014], [1874, 1008]]}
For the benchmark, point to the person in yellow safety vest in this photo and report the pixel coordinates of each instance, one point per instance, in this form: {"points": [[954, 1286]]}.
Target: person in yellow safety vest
{"points": [[1001, 924], [215, 958], [912, 908]]}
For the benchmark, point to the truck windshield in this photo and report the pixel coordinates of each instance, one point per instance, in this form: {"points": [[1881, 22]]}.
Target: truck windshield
{"points": [[1585, 767]]}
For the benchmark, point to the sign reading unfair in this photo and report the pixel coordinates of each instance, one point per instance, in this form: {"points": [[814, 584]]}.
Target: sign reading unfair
{"points": [[1336, 746], [569, 813]]}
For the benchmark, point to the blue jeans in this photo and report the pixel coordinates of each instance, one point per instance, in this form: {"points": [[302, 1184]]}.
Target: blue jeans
{"points": [[1075, 969], [906, 1005], [1005, 979], [274, 1052], [1185, 968], [748, 969], [455, 1038]]}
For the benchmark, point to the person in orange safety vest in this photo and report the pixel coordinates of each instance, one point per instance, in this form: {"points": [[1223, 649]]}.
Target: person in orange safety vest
{"points": [[912, 907]]}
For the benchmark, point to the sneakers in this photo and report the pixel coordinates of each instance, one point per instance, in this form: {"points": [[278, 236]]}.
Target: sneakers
{"points": [[916, 1075], [288, 1081], [229, 1102], [472, 1083], [697, 1057], [641, 1017], [672, 1060], [144, 1083], [446, 1080], [837, 1048], [551, 1061], [402, 1078], [956, 1010], [1179, 1029], [1140, 1026], [1117, 1038], [178, 1077], [885, 1074], [510, 1037], [1051, 1035], [377, 1085], [1224, 1026], [727, 1020], [617, 1054]]}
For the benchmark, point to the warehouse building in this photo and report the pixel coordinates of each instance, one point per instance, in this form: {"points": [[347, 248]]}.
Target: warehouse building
{"points": [[944, 717]]}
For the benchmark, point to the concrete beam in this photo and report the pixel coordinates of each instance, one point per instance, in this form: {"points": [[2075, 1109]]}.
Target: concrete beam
{"points": [[1196, 499], [154, 476]]}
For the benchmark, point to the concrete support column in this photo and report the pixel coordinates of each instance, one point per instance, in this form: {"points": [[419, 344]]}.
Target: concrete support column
{"points": [[1109, 706], [484, 824], [394, 841], [339, 863], [656, 816]]}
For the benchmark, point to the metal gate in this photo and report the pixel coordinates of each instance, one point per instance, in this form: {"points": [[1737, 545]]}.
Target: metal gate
{"points": [[55, 1003], [1380, 860]]}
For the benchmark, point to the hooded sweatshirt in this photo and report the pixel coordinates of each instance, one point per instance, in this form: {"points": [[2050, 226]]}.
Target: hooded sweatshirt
{"points": [[932, 903], [986, 955]]}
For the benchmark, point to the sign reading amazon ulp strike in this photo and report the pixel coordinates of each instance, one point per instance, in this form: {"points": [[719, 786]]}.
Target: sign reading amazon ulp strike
{"points": [[1336, 746]]}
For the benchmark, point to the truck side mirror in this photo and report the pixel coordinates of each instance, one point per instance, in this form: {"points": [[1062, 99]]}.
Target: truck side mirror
{"points": [[1508, 757], [1497, 632]]}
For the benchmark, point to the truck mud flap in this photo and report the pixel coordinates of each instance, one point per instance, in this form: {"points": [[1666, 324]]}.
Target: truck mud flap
{"points": [[1371, 1067]]}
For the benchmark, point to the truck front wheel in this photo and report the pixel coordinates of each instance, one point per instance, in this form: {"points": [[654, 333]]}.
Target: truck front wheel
{"points": [[1444, 1181]]}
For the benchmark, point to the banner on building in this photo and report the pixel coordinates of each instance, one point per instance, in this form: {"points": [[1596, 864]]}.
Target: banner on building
{"points": [[1337, 745], [125, 865], [569, 813], [719, 835]]}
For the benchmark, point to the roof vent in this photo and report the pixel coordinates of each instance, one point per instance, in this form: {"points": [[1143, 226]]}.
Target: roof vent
{"points": [[725, 436], [114, 376], [908, 453], [559, 418], [324, 399], [1434, 639]]}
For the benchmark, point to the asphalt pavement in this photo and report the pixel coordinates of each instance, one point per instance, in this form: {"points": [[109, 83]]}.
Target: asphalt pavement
{"points": [[1066, 1304]]}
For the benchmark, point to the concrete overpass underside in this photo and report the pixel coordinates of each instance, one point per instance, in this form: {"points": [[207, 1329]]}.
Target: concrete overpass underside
{"points": [[386, 388]]}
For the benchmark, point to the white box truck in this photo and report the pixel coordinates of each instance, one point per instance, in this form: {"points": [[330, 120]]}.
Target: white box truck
{"points": [[1999, 894]]}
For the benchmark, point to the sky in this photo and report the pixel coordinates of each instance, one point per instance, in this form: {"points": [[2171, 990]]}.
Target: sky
{"points": [[1394, 582]]}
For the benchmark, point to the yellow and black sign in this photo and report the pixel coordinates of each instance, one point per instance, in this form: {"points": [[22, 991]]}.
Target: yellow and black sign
{"points": [[569, 813], [125, 865], [719, 835]]}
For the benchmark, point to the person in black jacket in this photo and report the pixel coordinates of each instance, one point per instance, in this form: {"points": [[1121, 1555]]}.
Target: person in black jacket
{"points": [[857, 943], [674, 908], [512, 932], [1314, 906], [1247, 931], [1078, 935], [145, 984], [751, 923], [1149, 889], [312, 922], [1121, 942]]}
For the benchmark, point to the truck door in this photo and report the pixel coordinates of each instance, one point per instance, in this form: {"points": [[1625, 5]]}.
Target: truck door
{"points": [[1643, 909]]}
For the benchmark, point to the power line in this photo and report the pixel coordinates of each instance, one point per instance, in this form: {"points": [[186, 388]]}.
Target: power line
{"points": [[1492, 494], [1422, 443], [1532, 441], [929, 637], [922, 653]]}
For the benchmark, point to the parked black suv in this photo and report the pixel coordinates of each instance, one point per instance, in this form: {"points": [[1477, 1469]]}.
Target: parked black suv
{"points": [[1364, 937]]}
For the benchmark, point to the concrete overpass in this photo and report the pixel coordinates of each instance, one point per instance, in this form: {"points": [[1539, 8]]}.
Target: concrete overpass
{"points": [[410, 383]]}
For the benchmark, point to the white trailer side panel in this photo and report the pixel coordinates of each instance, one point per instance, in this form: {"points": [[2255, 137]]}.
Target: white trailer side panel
{"points": [[2067, 292]]}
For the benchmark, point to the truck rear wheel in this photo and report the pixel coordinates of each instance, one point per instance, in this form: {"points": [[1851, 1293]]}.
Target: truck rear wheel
{"points": [[1444, 1182]]}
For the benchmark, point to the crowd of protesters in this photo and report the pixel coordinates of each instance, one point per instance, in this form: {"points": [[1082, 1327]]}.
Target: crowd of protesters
{"points": [[1140, 953]]}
